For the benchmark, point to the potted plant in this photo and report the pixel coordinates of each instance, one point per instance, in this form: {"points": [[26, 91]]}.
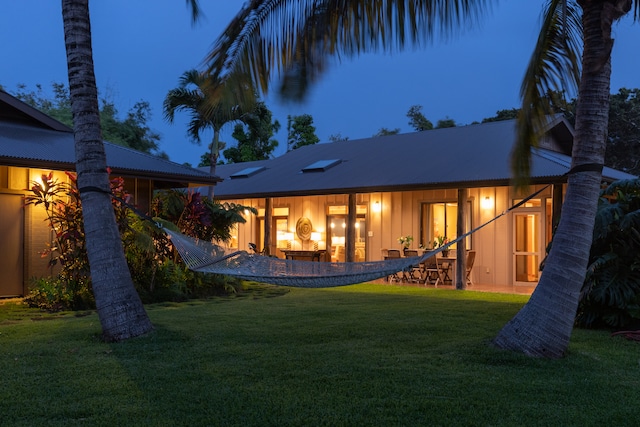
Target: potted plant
{"points": [[405, 241], [441, 241]]}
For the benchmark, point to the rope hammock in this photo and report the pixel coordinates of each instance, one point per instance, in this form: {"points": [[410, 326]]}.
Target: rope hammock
{"points": [[206, 257]]}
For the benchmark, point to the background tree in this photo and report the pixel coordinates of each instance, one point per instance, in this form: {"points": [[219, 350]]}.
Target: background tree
{"points": [[446, 123], [300, 131], [210, 106], [335, 137], [386, 132], [611, 293], [132, 132], [256, 142], [417, 120], [509, 114], [623, 144], [309, 33]]}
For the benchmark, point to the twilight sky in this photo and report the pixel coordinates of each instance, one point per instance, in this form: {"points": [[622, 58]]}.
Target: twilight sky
{"points": [[141, 47]]}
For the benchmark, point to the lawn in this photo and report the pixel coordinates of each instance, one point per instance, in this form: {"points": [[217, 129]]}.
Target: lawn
{"points": [[365, 355]]}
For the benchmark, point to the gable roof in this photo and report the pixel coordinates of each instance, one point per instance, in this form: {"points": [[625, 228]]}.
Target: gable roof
{"points": [[30, 138], [475, 155]]}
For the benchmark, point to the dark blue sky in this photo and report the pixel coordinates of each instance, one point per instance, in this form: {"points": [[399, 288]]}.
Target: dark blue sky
{"points": [[142, 47]]}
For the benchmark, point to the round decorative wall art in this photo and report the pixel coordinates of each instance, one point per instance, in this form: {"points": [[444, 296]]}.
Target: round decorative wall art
{"points": [[303, 228]]}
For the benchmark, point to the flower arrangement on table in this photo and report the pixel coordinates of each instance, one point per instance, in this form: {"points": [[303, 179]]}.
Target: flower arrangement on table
{"points": [[441, 241], [405, 241]]}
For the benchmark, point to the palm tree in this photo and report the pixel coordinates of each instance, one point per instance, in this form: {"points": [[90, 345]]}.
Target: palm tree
{"points": [[210, 106], [119, 307], [296, 38]]}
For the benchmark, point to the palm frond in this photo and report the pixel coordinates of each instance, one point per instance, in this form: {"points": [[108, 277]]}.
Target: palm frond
{"points": [[298, 38], [554, 67]]}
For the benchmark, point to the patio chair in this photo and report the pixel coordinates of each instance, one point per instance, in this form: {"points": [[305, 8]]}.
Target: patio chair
{"points": [[432, 271], [413, 274], [471, 257], [394, 253]]}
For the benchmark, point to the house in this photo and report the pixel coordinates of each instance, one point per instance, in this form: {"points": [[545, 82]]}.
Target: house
{"points": [[356, 198], [32, 144]]}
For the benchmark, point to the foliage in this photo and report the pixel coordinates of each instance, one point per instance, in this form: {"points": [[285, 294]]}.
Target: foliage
{"points": [[256, 142], [405, 240], [440, 241], [446, 123], [503, 115], [197, 216], [56, 294], [156, 270], [211, 104], [623, 143], [336, 137], [61, 201], [300, 131], [132, 132], [386, 132], [417, 120], [611, 293]]}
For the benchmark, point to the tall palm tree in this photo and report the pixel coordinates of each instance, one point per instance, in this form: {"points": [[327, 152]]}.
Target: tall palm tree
{"points": [[295, 39], [119, 307], [210, 106]]}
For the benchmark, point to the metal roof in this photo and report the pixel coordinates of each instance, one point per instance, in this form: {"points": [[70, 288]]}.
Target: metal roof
{"points": [[466, 156], [29, 138]]}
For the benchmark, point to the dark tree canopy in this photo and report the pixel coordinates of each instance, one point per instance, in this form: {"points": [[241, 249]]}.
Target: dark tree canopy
{"points": [[300, 131], [386, 132], [255, 138], [417, 120], [132, 132]]}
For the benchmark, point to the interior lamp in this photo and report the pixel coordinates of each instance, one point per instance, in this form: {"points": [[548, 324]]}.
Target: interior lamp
{"points": [[315, 238]]}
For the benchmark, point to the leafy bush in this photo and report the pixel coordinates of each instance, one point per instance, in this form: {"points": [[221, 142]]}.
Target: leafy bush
{"points": [[56, 294], [156, 269], [611, 292]]}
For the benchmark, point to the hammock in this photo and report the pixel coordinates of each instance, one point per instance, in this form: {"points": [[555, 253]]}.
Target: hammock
{"points": [[206, 257]]}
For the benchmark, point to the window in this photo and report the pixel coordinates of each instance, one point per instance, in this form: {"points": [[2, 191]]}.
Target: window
{"points": [[441, 219]]}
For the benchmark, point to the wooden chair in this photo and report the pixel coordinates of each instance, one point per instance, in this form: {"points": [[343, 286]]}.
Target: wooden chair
{"points": [[413, 274], [471, 257], [394, 253], [432, 271]]}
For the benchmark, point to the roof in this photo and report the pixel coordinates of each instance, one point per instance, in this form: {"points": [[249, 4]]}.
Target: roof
{"points": [[475, 155], [30, 138]]}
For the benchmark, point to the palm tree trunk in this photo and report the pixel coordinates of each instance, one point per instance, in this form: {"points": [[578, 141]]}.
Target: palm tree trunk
{"points": [[543, 327], [120, 310], [213, 157]]}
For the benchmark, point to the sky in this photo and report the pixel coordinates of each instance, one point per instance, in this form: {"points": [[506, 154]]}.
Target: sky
{"points": [[142, 47]]}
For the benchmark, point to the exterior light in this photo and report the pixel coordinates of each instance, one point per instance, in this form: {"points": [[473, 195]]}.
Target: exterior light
{"points": [[377, 207], [486, 203]]}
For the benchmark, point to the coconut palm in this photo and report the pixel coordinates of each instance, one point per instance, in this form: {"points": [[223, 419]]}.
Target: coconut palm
{"points": [[209, 106], [295, 39], [119, 307], [120, 310]]}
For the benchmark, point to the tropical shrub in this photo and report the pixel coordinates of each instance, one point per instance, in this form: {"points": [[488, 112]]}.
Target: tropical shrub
{"points": [[156, 269], [611, 293]]}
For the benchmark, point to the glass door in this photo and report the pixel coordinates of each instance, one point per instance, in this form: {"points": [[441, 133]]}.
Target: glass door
{"points": [[527, 246]]}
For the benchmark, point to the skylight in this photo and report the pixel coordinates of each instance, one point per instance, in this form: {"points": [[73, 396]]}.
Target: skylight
{"points": [[247, 172], [321, 165]]}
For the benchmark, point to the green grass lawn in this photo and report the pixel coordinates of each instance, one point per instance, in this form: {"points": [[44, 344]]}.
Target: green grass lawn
{"points": [[359, 355]]}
